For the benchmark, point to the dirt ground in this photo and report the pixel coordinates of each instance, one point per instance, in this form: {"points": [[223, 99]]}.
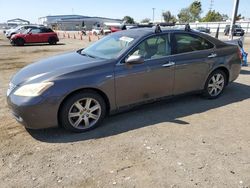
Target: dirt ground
{"points": [[185, 142]]}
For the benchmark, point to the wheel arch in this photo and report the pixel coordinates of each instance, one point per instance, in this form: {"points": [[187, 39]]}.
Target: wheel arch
{"points": [[19, 38], [222, 68], [88, 89]]}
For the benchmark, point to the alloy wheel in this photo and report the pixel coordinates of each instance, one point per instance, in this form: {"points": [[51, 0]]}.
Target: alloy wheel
{"points": [[216, 84], [84, 113]]}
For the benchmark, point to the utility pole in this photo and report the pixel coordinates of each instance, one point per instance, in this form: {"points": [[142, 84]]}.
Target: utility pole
{"points": [[153, 14], [211, 5], [235, 12]]}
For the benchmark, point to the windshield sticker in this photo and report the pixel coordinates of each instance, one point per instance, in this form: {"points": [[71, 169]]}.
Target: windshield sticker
{"points": [[126, 39]]}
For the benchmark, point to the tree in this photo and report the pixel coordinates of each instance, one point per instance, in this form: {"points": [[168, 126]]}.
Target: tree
{"points": [[184, 15], [128, 20], [239, 17], [195, 10], [145, 20], [168, 17], [225, 17], [191, 13], [212, 16]]}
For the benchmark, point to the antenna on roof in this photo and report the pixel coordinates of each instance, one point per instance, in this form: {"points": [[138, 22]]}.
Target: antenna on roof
{"points": [[187, 27], [158, 28]]}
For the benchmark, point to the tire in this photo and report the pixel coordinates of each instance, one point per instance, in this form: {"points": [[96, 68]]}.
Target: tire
{"points": [[75, 114], [52, 41], [19, 42], [215, 84]]}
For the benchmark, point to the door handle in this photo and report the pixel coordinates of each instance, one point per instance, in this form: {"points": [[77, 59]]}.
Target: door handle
{"points": [[169, 64], [212, 55]]}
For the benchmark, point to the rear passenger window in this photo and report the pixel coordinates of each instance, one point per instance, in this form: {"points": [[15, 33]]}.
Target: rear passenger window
{"points": [[46, 30], [188, 43]]}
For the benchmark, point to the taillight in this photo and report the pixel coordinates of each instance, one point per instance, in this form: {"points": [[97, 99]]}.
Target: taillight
{"points": [[240, 54]]}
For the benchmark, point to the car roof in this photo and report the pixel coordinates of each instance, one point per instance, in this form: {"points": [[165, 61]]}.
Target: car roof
{"points": [[141, 32], [144, 32]]}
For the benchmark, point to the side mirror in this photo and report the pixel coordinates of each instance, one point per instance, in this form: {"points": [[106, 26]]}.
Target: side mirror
{"points": [[135, 59]]}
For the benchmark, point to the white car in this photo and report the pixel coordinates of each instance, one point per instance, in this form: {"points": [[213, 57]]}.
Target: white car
{"points": [[98, 31]]}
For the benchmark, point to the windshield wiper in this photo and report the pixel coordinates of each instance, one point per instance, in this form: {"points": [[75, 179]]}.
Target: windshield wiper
{"points": [[84, 54]]}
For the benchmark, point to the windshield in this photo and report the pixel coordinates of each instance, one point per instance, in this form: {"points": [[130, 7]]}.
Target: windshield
{"points": [[109, 47], [26, 31]]}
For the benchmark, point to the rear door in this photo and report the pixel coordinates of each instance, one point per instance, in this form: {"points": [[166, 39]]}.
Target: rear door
{"points": [[152, 79], [193, 56]]}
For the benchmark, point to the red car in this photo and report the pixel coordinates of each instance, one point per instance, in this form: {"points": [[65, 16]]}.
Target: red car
{"points": [[115, 29], [35, 35]]}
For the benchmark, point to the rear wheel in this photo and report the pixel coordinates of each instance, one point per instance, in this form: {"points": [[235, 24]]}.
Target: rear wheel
{"points": [[215, 84], [19, 42], [52, 41], [82, 111]]}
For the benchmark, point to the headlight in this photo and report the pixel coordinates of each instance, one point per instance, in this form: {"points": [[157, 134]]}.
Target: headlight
{"points": [[33, 90]]}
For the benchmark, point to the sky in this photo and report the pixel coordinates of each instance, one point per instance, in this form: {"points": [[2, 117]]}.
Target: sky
{"points": [[138, 9]]}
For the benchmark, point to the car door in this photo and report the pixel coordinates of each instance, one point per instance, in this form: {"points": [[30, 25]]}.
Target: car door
{"points": [[33, 35], [193, 57], [152, 79]]}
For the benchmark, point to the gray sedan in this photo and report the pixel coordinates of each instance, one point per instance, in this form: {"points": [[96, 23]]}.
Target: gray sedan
{"points": [[78, 89]]}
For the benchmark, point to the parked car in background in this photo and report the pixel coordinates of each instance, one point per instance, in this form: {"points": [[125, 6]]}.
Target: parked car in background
{"points": [[115, 29], [19, 29], [100, 31], [237, 30], [122, 70], [204, 29], [35, 35]]}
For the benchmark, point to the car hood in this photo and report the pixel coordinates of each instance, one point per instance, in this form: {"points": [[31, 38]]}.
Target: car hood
{"points": [[55, 66], [10, 30]]}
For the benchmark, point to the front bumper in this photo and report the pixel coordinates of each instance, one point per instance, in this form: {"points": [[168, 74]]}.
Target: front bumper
{"points": [[34, 113]]}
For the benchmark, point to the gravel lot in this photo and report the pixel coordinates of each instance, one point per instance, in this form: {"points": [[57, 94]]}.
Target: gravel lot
{"points": [[185, 142]]}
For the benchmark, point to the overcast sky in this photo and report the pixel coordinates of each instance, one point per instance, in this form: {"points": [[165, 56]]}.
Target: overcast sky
{"points": [[138, 9]]}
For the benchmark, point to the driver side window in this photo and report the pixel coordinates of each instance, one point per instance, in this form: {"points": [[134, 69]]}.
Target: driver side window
{"points": [[153, 48]]}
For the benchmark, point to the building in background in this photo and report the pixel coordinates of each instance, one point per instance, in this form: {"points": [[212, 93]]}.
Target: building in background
{"points": [[17, 21], [75, 22]]}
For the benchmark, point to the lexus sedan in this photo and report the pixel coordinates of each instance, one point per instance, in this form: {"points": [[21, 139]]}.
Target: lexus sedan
{"points": [[77, 90]]}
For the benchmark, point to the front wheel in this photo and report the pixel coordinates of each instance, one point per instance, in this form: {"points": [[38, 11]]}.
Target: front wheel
{"points": [[215, 84], [82, 111], [19, 42]]}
